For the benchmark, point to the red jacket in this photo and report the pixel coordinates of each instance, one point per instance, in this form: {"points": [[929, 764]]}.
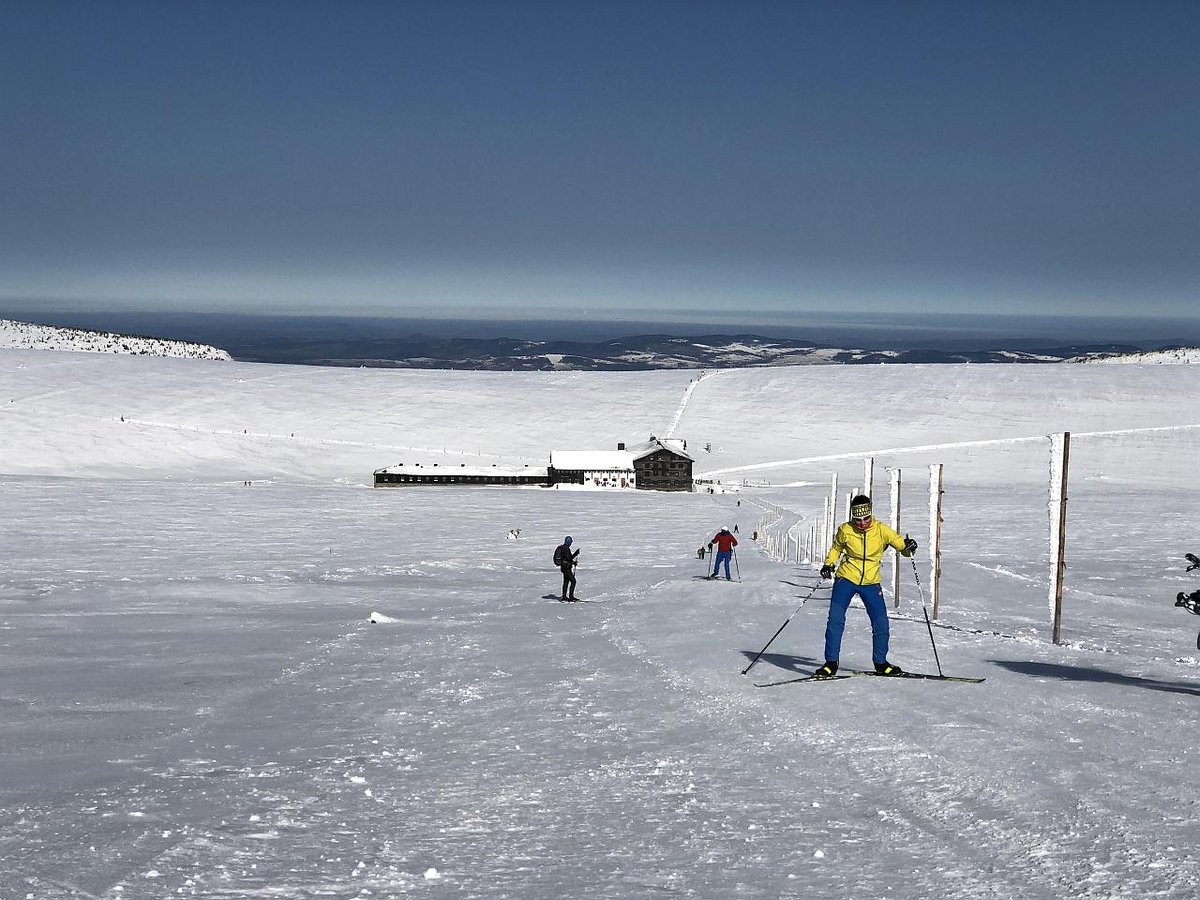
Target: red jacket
{"points": [[724, 541]]}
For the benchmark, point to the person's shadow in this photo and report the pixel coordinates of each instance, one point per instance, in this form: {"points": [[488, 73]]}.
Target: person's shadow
{"points": [[1080, 673], [801, 665]]}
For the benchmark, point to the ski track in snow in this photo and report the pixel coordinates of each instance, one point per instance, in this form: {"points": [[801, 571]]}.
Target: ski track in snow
{"points": [[687, 396]]}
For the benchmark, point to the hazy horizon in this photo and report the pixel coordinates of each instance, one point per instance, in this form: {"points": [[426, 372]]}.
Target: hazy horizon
{"points": [[960, 331]]}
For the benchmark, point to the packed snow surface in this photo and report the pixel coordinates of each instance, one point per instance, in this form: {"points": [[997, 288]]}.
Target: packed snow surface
{"points": [[230, 668]]}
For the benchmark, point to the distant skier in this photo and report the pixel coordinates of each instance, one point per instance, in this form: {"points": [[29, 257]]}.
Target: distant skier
{"points": [[566, 562], [1191, 602], [700, 553], [860, 545], [725, 542]]}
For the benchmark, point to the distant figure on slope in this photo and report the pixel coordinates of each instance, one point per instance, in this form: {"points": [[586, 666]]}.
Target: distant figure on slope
{"points": [[725, 542], [1190, 602], [860, 545], [566, 562]]}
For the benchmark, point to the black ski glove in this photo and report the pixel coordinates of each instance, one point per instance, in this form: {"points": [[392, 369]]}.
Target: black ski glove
{"points": [[826, 571], [910, 546]]}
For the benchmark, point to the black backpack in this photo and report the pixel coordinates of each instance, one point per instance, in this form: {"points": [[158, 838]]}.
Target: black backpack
{"points": [[558, 555]]}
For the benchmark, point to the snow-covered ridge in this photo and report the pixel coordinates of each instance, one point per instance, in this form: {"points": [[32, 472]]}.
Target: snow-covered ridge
{"points": [[1173, 356], [28, 336]]}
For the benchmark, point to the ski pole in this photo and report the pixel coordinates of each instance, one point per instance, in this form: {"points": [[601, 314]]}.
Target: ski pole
{"points": [[781, 627], [927, 622], [736, 567]]}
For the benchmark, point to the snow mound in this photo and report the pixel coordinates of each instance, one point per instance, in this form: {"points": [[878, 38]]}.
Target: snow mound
{"points": [[28, 336], [1174, 356], [378, 618]]}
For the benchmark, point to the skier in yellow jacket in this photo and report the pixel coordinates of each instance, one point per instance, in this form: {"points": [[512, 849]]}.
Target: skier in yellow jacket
{"points": [[860, 545]]}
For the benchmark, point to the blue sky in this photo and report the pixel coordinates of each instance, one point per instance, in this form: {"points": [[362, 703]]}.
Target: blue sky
{"points": [[596, 158]]}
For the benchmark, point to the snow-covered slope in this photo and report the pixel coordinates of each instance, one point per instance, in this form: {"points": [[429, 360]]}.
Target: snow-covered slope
{"points": [[28, 336], [195, 701], [119, 416], [1150, 357]]}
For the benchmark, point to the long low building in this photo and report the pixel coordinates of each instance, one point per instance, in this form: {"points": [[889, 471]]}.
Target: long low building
{"points": [[416, 474], [656, 465]]}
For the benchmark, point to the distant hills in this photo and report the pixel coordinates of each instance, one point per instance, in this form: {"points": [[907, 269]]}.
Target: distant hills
{"points": [[662, 351], [634, 353]]}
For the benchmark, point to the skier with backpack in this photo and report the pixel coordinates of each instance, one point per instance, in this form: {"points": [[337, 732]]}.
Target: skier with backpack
{"points": [[859, 545], [566, 562]]}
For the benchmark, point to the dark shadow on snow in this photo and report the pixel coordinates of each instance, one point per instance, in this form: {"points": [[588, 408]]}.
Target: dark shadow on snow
{"points": [[1079, 673], [801, 665]]}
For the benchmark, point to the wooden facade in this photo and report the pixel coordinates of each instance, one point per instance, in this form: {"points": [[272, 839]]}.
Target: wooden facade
{"points": [[663, 470]]}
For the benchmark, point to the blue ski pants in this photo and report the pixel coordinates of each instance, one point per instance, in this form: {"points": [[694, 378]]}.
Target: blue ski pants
{"points": [[722, 555], [872, 596]]}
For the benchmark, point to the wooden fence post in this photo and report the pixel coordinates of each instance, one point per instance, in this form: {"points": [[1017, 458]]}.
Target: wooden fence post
{"points": [[935, 537], [894, 477], [831, 509], [1060, 454]]}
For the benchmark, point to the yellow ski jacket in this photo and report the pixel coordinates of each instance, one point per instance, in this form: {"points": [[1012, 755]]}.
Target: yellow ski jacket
{"points": [[861, 551]]}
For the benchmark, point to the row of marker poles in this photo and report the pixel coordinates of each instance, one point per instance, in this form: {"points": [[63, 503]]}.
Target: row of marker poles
{"points": [[820, 535], [821, 539]]}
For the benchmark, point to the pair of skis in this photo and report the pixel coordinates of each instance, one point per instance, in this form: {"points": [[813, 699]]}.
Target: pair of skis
{"points": [[856, 673]]}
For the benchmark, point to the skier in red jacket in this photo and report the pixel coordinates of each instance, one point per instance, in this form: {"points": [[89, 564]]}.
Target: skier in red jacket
{"points": [[725, 542]]}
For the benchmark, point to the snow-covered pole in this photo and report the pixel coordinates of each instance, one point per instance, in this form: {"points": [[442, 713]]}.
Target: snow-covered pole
{"points": [[935, 536], [1060, 452], [894, 479], [869, 476], [831, 510]]}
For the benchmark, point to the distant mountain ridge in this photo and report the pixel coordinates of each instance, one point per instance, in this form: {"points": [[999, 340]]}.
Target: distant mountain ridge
{"points": [[634, 353], [664, 351], [29, 336]]}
